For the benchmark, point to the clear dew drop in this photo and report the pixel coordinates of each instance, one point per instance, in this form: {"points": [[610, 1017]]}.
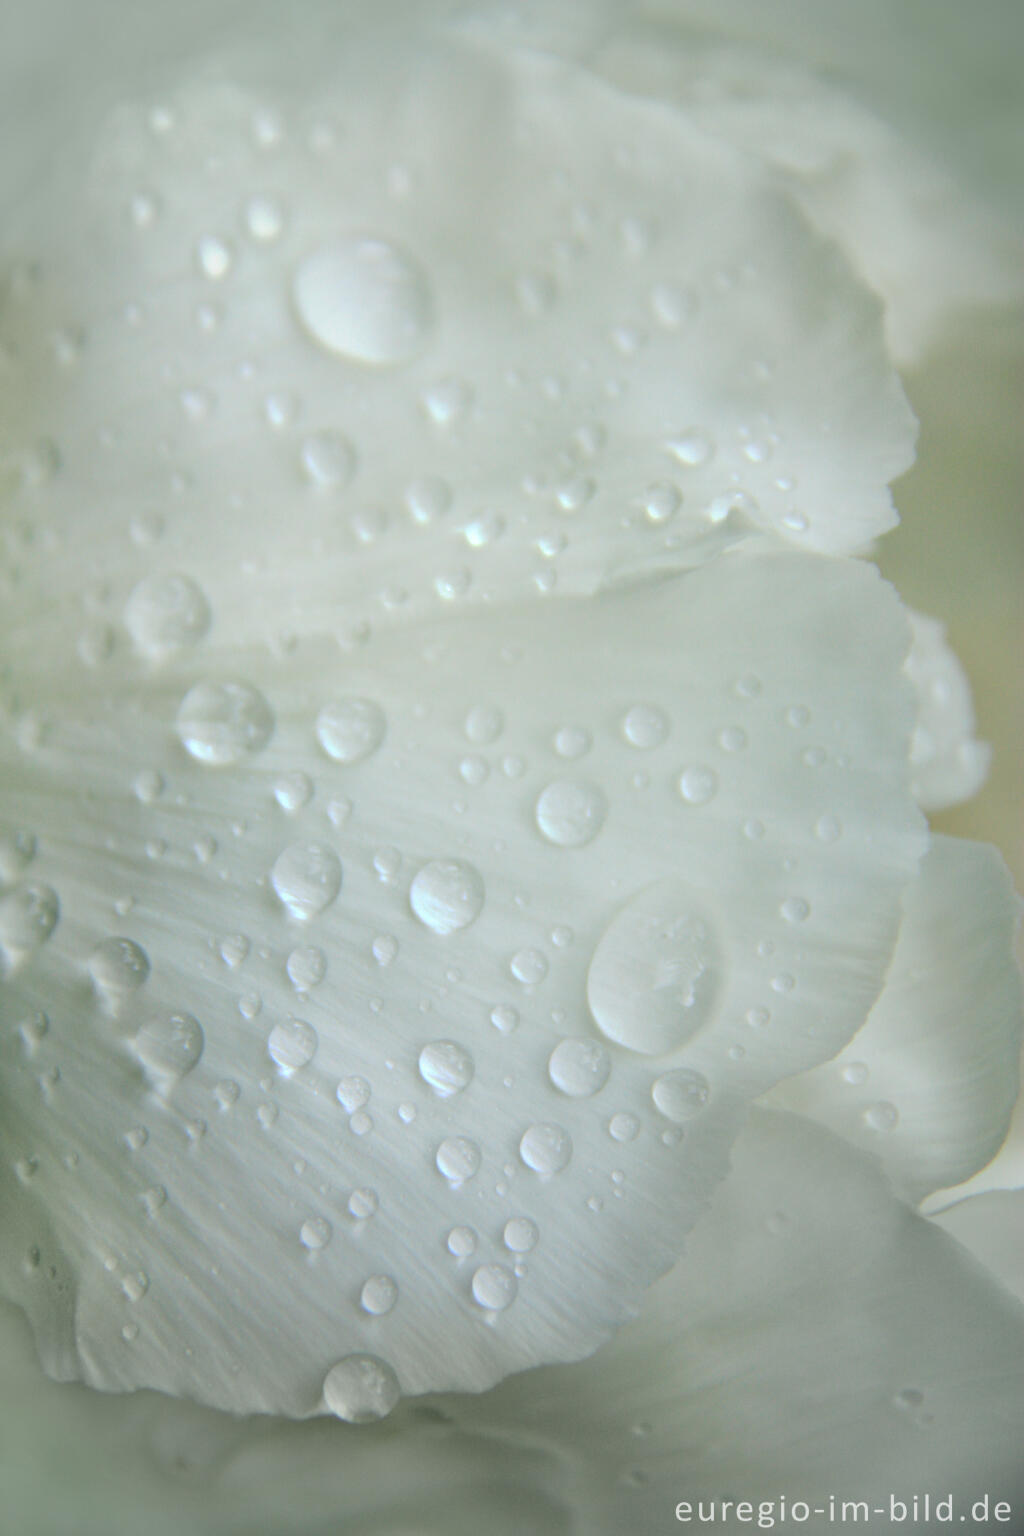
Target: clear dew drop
{"points": [[855, 1073], [223, 723], [570, 812], [169, 1047], [353, 1093], [579, 1067], [520, 1234], [28, 915], [428, 499], [118, 968], [644, 726], [458, 1159], [364, 299], [214, 257], [461, 1242], [623, 1127], [165, 615], [504, 1018], [692, 448], [264, 219], [292, 1044], [654, 977], [306, 968], [361, 1389], [546, 1148], [446, 895], [379, 1295], [349, 730], [446, 1067], [795, 909], [529, 966], [698, 784], [882, 1116], [494, 1287], [661, 502], [680, 1095], [363, 1203], [328, 460], [293, 790], [572, 741], [315, 1233], [483, 725], [306, 878]]}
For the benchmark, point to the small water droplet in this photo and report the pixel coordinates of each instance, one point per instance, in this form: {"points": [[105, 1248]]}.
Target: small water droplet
{"points": [[118, 968], [292, 1044], [504, 1018], [361, 1389], [520, 1234], [795, 910], [661, 501], [461, 1242], [169, 1047], [645, 726], [315, 1233], [223, 723], [446, 1067], [447, 401], [828, 829], [447, 895], [570, 812], [293, 790], [671, 305], [306, 878], [458, 1159], [623, 1127], [546, 1148], [364, 299], [494, 1287], [227, 1093], [692, 448], [165, 615], [264, 219], [306, 968], [484, 724], [882, 1116], [681, 1094], [214, 257], [379, 1295], [855, 1074], [579, 1067], [698, 784], [909, 1397], [349, 730], [572, 741], [529, 966], [328, 460], [363, 1203], [732, 739], [135, 1285], [353, 1093]]}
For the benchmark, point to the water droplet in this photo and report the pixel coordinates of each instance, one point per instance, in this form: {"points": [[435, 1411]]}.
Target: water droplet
{"points": [[698, 784], [571, 812], [529, 966], [692, 448], [572, 741], [154, 1200], [446, 1067], [661, 501], [378, 1295], [384, 948], [494, 1287], [17, 850], [428, 499], [363, 1203], [504, 1018], [461, 1242], [855, 1074], [882, 1116], [166, 614], [361, 1389], [353, 1093], [315, 1233], [365, 299], [653, 979], [623, 1127], [447, 401], [795, 910], [223, 723], [118, 967], [227, 1093], [328, 460], [293, 790], [680, 1095], [214, 257], [828, 829], [169, 1047], [546, 1148], [349, 730], [458, 1159], [484, 725], [447, 895], [306, 968], [645, 726], [149, 786], [306, 878], [671, 306], [579, 1067], [135, 1285], [575, 493], [798, 715], [28, 915], [264, 219], [292, 1044], [520, 1234], [474, 770]]}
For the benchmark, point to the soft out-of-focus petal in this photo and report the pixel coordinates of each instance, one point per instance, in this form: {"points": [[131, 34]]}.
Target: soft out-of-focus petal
{"points": [[929, 1083], [282, 931], [992, 1226], [950, 764], [819, 1340]]}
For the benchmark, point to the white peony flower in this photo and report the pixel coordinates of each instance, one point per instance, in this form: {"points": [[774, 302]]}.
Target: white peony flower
{"points": [[472, 953]]}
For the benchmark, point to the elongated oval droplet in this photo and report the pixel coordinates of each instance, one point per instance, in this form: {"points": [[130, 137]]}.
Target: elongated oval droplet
{"points": [[365, 299], [654, 977]]}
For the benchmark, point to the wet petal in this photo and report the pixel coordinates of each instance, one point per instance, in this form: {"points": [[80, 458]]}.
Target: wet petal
{"points": [[436, 1003], [929, 1083], [949, 764], [991, 1226]]}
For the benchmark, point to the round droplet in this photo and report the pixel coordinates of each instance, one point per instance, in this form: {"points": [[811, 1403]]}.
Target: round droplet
{"points": [[28, 915], [461, 1242], [645, 726], [264, 219], [795, 910], [384, 948], [654, 976], [579, 1067], [328, 459], [363, 1203], [571, 812], [529, 966], [166, 614], [223, 723], [17, 850], [474, 770], [661, 501], [169, 1047], [484, 724], [882, 1116], [623, 1127], [306, 968], [315, 1233], [292, 1044], [546, 1148], [214, 257], [520, 1234], [365, 299], [680, 1095], [118, 967], [428, 499], [504, 1018], [361, 1389], [698, 784], [458, 1159], [353, 1093], [350, 729], [293, 790], [446, 1067], [572, 741], [691, 448], [855, 1074], [447, 895], [306, 878], [732, 739], [378, 1295], [494, 1287]]}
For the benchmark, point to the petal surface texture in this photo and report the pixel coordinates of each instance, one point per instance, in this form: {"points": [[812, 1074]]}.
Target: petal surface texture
{"points": [[415, 1021], [950, 764]]}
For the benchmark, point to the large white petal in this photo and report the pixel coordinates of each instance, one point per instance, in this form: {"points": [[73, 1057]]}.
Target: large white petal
{"points": [[929, 1084], [991, 1225], [683, 807]]}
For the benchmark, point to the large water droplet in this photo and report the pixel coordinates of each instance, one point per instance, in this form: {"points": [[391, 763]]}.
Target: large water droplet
{"points": [[292, 1044], [458, 1159], [361, 1388], [680, 1095], [222, 723], [169, 1047], [571, 812], [28, 915], [494, 1287], [306, 878], [364, 299], [166, 614], [546, 1148], [579, 1067], [118, 968], [654, 976], [447, 895], [446, 1067], [350, 729]]}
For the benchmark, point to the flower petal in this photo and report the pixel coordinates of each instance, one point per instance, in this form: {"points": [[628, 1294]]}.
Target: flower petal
{"points": [[929, 1083], [272, 950], [950, 765], [991, 1226]]}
